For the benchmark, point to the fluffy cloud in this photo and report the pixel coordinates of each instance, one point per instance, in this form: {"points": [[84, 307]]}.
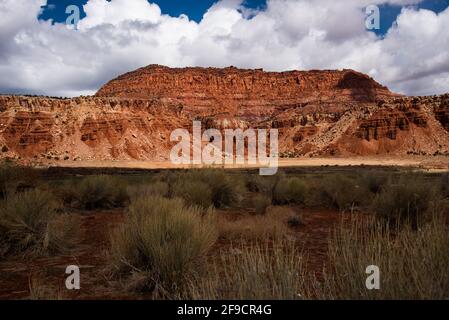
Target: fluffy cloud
{"points": [[121, 35]]}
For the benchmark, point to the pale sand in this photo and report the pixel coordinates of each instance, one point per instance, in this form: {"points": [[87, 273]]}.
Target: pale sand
{"points": [[439, 163]]}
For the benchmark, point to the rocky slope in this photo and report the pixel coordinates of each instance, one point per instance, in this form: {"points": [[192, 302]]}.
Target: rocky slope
{"points": [[317, 113]]}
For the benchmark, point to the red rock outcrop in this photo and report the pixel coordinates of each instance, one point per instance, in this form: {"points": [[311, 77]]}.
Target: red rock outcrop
{"points": [[86, 128], [316, 113], [243, 93]]}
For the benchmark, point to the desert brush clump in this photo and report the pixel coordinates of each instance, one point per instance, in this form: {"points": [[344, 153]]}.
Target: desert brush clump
{"points": [[444, 185], [194, 192], [261, 184], [373, 180], [261, 203], [226, 189], [413, 264], [15, 178], [338, 191], [95, 192], [271, 225], [259, 271], [289, 190], [162, 241], [31, 222], [154, 188], [408, 198]]}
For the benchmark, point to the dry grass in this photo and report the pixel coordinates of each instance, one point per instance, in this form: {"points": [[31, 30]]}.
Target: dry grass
{"points": [[157, 188], [31, 223], [413, 264], [272, 225], [260, 271], [339, 192], [162, 241], [16, 178], [289, 190], [194, 192], [261, 184], [226, 190], [95, 192], [261, 203], [40, 290], [409, 198]]}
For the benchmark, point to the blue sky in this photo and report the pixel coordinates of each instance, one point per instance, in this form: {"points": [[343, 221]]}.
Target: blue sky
{"points": [[115, 37], [55, 9], [194, 9]]}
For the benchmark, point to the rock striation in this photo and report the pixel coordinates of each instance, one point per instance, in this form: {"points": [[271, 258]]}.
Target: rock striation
{"points": [[317, 113]]}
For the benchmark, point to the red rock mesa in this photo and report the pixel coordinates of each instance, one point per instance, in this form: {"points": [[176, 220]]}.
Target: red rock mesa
{"points": [[318, 113]]}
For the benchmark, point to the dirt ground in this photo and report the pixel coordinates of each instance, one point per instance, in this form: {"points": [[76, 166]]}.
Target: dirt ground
{"points": [[439, 163], [90, 256]]}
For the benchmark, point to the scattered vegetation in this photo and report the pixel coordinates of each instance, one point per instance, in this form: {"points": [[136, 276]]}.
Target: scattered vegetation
{"points": [[261, 203], [156, 188], [408, 199], [256, 272], [173, 218], [413, 264], [272, 225], [94, 192], [194, 192], [261, 184], [444, 185], [15, 178], [162, 240], [289, 190], [339, 192], [373, 180], [31, 223], [225, 190]]}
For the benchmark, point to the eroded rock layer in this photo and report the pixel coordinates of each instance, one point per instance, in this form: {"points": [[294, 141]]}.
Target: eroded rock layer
{"points": [[317, 113]]}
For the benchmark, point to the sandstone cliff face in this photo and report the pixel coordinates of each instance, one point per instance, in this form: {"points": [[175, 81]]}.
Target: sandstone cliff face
{"points": [[86, 128], [243, 93], [317, 113]]}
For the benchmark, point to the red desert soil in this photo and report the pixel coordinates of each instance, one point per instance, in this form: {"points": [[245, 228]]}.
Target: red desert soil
{"points": [[90, 256]]}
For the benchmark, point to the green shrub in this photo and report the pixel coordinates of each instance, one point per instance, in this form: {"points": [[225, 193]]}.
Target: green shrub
{"points": [[194, 192], [444, 183], [15, 178], [373, 180], [261, 184], [339, 192], [413, 264], [289, 190], [261, 203], [259, 271], [96, 192], [226, 190], [406, 200], [157, 188], [30, 223], [269, 226], [162, 240]]}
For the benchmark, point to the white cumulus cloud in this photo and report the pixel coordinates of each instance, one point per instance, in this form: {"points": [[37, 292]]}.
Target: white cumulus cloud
{"points": [[121, 35]]}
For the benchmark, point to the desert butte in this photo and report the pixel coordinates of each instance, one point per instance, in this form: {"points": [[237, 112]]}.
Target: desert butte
{"points": [[324, 117]]}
